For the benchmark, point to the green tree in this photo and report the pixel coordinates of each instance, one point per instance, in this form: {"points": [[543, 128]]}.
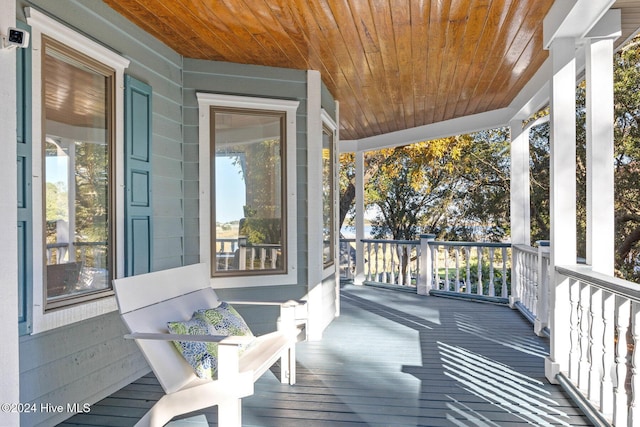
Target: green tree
{"points": [[627, 159]]}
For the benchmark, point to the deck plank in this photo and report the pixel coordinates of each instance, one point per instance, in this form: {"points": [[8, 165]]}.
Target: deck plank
{"points": [[395, 359]]}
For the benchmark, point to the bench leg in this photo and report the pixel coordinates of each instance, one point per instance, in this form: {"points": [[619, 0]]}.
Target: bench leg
{"points": [[230, 413], [288, 366]]}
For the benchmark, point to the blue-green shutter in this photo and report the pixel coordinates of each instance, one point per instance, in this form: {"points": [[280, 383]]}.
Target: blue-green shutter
{"points": [[138, 207], [25, 209]]}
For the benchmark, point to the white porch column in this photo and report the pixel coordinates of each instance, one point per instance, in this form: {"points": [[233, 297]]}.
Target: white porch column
{"points": [[359, 275], [315, 321], [562, 197], [600, 168], [9, 372], [520, 210]]}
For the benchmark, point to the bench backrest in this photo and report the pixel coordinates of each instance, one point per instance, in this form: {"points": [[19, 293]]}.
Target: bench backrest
{"points": [[148, 301]]}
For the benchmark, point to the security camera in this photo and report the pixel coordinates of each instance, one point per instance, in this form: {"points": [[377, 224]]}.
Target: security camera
{"points": [[16, 38]]}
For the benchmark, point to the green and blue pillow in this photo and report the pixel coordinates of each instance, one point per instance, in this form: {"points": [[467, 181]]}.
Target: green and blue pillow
{"points": [[203, 356]]}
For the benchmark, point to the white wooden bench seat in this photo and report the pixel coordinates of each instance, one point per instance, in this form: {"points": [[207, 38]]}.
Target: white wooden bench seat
{"points": [[148, 301]]}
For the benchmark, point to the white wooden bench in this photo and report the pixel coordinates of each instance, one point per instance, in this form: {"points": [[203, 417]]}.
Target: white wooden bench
{"points": [[148, 301]]}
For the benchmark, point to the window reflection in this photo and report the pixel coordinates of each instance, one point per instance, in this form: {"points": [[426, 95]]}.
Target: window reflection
{"points": [[327, 197], [77, 205], [248, 192]]}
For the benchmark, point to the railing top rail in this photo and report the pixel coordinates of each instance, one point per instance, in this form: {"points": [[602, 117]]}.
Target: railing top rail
{"points": [[526, 248], [399, 242], [614, 285], [471, 244]]}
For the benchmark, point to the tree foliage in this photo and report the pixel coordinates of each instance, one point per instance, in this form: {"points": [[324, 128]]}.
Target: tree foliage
{"points": [[458, 187]]}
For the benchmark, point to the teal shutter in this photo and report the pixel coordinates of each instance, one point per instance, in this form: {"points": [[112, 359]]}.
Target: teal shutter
{"points": [[138, 207], [25, 221]]}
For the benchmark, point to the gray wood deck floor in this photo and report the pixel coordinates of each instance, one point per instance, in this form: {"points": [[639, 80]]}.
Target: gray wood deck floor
{"points": [[395, 359]]}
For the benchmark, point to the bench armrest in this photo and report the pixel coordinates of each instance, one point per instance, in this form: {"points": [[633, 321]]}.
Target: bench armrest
{"points": [[289, 303], [159, 336]]}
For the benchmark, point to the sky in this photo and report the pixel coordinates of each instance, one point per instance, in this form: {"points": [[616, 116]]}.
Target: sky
{"points": [[230, 190]]}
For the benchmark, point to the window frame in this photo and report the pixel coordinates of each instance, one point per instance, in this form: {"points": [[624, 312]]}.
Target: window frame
{"points": [[45, 316], [206, 103], [109, 74], [330, 127]]}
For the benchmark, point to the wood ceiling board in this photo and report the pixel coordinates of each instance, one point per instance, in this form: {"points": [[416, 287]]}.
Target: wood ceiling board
{"points": [[465, 68], [495, 69], [392, 64], [437, 45]]}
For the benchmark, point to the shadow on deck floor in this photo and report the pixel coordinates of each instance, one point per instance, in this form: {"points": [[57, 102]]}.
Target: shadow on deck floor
{"points": [[395, 359]]}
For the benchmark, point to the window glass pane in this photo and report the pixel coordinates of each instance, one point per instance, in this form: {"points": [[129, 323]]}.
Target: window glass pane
{"points": [[248, 192], [77, 171], [327, 197]]}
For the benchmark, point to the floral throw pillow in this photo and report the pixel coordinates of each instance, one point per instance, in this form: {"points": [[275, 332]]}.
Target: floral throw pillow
{"points": [[222, 320]]}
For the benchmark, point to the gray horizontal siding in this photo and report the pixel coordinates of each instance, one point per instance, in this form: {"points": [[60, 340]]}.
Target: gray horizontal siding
{"points": [[243, 80], [85, 361]]}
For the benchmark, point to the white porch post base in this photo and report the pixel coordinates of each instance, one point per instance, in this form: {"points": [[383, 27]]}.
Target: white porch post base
{"points": [[538, 327], [513, 299], [551, 370]]}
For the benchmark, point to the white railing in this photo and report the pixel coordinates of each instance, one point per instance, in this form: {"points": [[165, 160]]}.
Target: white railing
{"points": [[62, 252], [393, 262], [530, 283], [236, 254], [472, 268], [347, 259], [603, 352]]}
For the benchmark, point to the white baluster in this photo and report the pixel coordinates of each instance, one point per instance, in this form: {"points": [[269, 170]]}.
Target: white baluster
{"points": [[505, 292], [383, 277], [377, 268], [446, 269], [583, 308], [392, 273], [369, 264], [407, 254], [263, 258], [620, 398], [596, 332], [253, 258], [634, 405], [574, 331], [436, 267], [492, 289], [468, 261], [456, 252], [480, 291], [608, 354], [242, 264], [417, 265]]}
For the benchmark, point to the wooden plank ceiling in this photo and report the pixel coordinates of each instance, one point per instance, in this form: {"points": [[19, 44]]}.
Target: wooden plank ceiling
{"points": [[392, 64]]}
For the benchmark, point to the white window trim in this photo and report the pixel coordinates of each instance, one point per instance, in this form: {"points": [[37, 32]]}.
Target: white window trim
{"points": [[42, 24], [327, 121], [205, 102]]}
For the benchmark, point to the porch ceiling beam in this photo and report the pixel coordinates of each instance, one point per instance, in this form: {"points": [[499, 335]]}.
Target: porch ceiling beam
{"points": [[458, 126], [573, 19]]}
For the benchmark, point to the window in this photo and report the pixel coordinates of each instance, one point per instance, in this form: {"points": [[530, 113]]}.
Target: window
{"points": [[77, 159], [328, 200], [247, 156], [248, 192], [77, 170]]}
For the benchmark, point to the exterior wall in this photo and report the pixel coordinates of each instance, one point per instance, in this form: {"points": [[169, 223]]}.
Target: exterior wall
{"points": [[9, 312], [248, 80], [239, 79], [81, 363], [86, 361]]}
